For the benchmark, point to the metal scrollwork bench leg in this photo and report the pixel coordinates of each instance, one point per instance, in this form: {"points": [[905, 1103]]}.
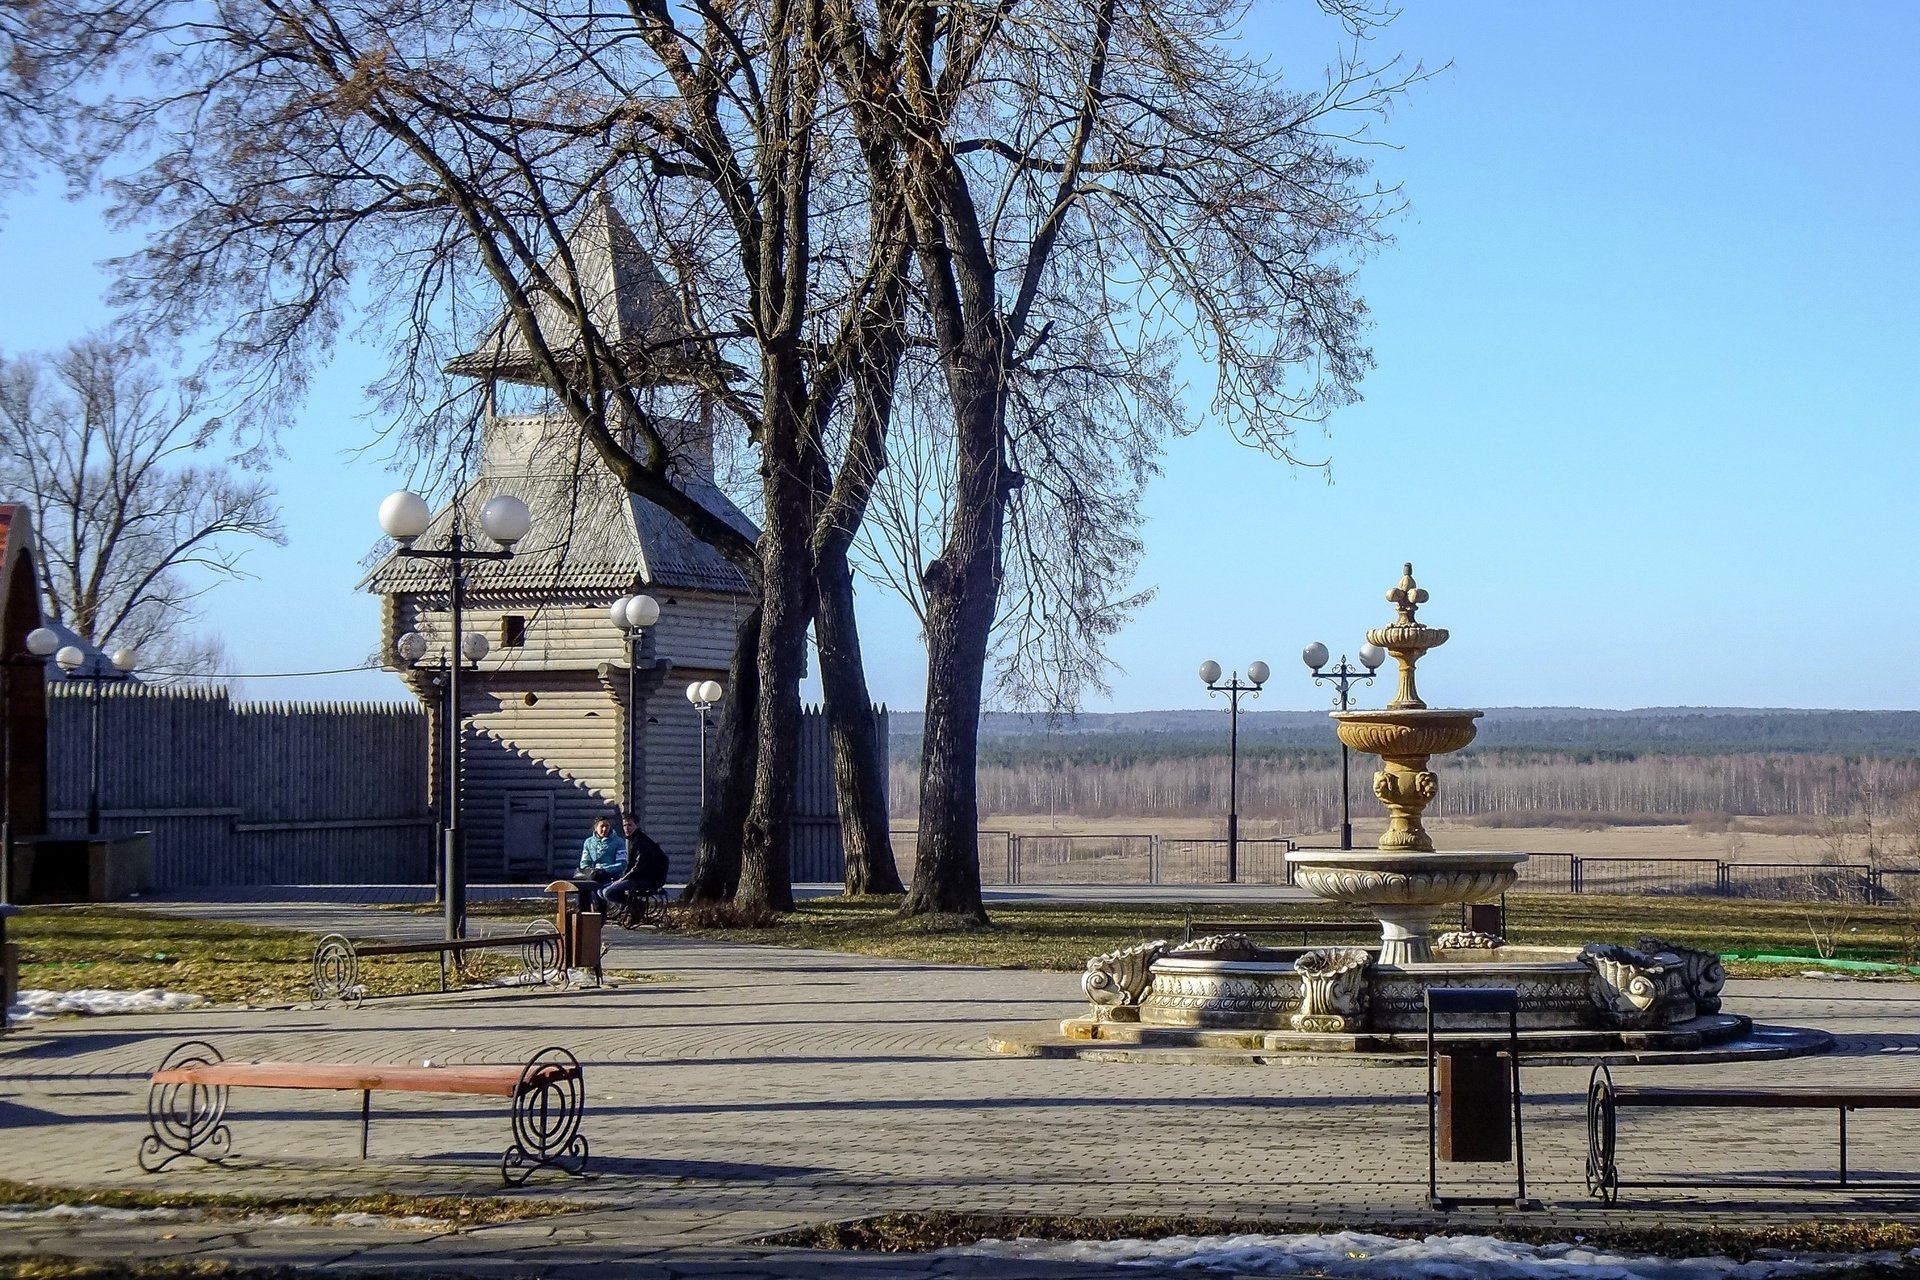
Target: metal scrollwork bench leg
{"points": [[1603, 1174], [186, 1119], [547, 1107], [336, 970], [540, 955]]}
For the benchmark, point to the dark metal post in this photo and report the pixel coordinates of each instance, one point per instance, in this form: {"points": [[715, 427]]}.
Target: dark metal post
{"points": [[455, 857], [1233, 784], [1346, 792], [93, 784], [1234, 690], [633, 713], [1343, 677], [703, 758]]}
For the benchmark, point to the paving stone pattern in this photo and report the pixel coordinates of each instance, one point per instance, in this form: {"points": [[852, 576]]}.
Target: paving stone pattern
{"points": [[754, 1088]]}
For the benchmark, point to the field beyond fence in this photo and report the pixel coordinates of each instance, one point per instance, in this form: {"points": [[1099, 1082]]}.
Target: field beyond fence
{"points": [[1051, 856]]}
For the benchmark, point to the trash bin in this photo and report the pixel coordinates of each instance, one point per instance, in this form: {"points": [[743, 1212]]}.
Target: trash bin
{"points": [[1473, 1092]]}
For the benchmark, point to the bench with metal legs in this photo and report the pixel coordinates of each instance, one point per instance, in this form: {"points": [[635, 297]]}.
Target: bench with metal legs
{"points": [[187, 1102]]}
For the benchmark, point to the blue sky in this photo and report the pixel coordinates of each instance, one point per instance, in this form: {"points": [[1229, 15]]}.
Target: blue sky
{"points": [[1643, 415]]}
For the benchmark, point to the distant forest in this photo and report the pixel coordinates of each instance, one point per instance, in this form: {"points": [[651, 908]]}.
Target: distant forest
{"points": [[1680, 762]]}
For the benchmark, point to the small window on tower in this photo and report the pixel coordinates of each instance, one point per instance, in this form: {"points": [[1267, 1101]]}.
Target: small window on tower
{"points": [[513, 632]]}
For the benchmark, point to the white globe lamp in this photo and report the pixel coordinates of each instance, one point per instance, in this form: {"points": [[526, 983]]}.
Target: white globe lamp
{"points": [[505, 519], [404, 516]]}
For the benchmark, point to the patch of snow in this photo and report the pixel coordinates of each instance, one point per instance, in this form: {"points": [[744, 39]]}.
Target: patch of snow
{"points": [[89, 1213], [1353, 1255], [36, 1005], [383, 1220], [551, 977]]}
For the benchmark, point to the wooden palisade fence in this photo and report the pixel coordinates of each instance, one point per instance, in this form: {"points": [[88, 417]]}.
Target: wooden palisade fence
{"points": [[247, 793]]}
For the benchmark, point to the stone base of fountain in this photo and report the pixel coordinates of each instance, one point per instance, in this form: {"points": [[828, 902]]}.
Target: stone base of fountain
{"points": [[1227, 994]]}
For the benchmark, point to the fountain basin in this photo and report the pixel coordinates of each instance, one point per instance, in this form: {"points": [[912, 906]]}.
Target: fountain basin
{"points": [[1405, 890], [1411, 734]]}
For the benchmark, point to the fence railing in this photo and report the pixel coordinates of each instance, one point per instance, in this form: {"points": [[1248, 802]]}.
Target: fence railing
{"points": [[1146, 858]]}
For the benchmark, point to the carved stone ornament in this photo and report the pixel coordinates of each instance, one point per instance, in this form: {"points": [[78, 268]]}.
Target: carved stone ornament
{"points": [[1333, 990], [1117, 982], [1701, 972], [1634, 991], [1468, 940], [1226, 946]]}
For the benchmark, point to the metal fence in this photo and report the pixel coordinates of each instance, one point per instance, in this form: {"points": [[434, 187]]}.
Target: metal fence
{"points": [[1144, 858]]}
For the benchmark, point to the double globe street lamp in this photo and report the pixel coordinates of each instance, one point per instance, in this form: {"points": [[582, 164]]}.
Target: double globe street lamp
{"points": [[405, 516], [704, 695], [1343, 678], [633, 615], [93, 668], [1257, 673], [412, 650]]}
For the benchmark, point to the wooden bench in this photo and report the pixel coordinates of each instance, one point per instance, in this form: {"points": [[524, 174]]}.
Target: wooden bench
{"points": [[187, 1102], [1605, 1100], [336, 961], [1302, 927]]}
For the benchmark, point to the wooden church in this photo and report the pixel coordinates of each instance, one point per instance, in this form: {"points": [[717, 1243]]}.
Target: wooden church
{"points": [[548, 728]]}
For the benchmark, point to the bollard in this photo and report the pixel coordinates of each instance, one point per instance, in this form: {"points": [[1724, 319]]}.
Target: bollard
{"points": [[9, 965]]}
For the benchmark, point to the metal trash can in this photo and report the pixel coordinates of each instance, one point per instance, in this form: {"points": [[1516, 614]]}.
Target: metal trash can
{"points": [[1473, 1093]]}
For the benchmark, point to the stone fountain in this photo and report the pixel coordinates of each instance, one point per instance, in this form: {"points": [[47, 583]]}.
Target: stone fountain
{"points": [[1229, 993], [1404, 882]]}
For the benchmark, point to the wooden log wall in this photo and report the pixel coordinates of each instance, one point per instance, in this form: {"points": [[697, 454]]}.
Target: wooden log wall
{"points": [[248, 793]]}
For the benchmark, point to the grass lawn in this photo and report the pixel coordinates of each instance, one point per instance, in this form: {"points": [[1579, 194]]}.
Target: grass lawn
{"points": [[126, 949], [1062, 936], [65, 948]]}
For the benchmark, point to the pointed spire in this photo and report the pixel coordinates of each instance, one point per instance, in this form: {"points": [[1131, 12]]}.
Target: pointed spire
{"points": [[627, 298]]}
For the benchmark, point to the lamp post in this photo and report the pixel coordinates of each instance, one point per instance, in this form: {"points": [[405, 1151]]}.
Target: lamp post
{"points": [[1343, 678], [633, 615], [1257, 673], [505, 519], [75, 662], [412, 648], [41, 643], [704, 694]]}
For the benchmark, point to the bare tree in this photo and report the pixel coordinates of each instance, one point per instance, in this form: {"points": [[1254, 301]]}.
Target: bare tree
{"points": [[138, 514], [1088, 181], [296, 163]]}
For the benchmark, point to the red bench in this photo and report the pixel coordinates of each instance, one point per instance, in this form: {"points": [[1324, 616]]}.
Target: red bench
{"points": [[187, 1102]]}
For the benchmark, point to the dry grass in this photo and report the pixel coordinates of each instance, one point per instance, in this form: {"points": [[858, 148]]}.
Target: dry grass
{"points": [[67, 948], [462, 1210]]}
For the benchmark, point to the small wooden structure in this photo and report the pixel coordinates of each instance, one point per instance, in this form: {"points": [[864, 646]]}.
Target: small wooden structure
{"points": [[548, 730]]}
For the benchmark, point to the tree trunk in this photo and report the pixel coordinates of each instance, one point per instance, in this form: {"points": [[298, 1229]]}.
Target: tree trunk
{"points": [[962, 592], [786, 606], [730, 772], [859, 765]]}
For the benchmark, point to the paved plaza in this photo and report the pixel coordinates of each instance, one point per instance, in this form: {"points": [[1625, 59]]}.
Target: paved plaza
{"points": [[750, 1089]]}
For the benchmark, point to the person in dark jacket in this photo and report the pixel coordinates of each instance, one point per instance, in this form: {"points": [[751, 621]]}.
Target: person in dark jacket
{"points": [[646, 862]]}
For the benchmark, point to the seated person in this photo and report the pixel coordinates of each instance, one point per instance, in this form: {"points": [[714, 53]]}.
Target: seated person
{"points": [[603, 859], [646, 866]]}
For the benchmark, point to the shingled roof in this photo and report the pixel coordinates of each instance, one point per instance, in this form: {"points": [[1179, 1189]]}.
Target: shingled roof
{"points": [[628, 300], [588, 534]]}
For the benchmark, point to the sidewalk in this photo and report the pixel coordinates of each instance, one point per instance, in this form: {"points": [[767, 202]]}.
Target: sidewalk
{"points": [[752, 1089]]}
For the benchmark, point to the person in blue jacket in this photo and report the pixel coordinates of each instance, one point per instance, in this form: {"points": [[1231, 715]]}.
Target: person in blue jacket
{"points": [[603, 859]]}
